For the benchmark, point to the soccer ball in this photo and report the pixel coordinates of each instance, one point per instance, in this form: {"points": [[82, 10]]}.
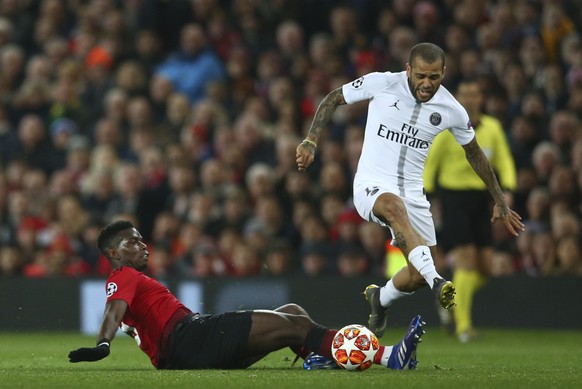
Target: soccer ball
{"points": [[354, 347]]}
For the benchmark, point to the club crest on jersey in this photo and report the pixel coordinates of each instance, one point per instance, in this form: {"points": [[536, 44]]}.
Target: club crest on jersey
{"points": [[111, 288], [358, 83], [435, 118]]}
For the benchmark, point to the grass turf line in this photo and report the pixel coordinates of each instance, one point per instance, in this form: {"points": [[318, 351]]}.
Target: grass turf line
{"points": [[501, 359]]}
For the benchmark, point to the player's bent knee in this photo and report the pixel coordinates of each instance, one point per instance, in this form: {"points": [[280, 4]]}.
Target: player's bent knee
{"points": [[292, 309], [390, 207]]}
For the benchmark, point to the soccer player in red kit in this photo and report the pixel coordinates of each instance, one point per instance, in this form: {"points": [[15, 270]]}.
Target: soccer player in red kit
{"points": [[176, 338]]}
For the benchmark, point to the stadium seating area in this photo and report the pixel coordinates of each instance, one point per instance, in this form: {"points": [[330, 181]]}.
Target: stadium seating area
{"points": [[184, 116]]}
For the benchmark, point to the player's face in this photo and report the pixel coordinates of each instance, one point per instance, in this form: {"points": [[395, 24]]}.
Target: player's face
{"points": [[424, 78], [132, 251]]}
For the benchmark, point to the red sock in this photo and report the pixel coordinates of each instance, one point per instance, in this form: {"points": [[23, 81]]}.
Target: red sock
{"points": [[319, 339], [378, 356], [325, 348]]}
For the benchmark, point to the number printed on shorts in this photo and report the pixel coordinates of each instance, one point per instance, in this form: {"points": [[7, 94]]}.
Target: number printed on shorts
{"points": [[371, 191]]}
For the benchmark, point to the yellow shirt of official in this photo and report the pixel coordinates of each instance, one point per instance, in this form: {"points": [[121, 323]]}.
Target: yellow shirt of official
{"points": [[447, 163]]}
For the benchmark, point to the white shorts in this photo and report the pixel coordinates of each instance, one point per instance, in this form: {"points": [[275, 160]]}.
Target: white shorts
{"points": [[417, 207]]}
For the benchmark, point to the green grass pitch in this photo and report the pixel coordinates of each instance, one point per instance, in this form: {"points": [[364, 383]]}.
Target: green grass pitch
{"points": [[500, 359]]}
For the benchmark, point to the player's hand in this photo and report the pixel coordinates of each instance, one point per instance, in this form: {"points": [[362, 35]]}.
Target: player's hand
{"points": [[304, 155], [89, 354], [509, 217]]}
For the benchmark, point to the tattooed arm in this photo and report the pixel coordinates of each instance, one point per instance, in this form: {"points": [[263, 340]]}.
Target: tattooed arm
{"points": [[305, 152], [482, 167]]}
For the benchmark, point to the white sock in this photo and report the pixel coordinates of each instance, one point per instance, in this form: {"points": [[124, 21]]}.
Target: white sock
{"points": [[421, 259], [386, 355], [389, 294]]}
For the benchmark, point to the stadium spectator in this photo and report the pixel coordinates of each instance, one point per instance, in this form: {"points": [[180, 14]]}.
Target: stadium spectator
{"points": [[346, 35], [538, 209], [206, 261], [163, 264], [290, 42], [522, 140], [33, 144], [555, 25], [348, 225], [268, 218], [202, 210], [563, 130], [332, 206], [175, 116], [61, 133], [194, 65], [11, 261], [153, 169], [333, 180], [426, 21], [568, 256], [12, 61], [182, 181], [373, 239], [539, 262], [546, 156], [132, 198], [245, 260], [553, 85], [400, 42], [352, 261], [314, 260], [279, 259], [533, 59]]}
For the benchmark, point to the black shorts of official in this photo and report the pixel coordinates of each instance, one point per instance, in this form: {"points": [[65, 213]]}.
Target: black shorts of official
{"points": [[210, 341], [466, 216]]}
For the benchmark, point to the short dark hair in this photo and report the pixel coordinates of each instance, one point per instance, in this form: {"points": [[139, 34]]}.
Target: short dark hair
{"points": [[108, 234], [429, 52]]}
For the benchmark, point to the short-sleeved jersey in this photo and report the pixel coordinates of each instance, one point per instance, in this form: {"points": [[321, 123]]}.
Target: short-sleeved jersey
{"points": [[400, 130], [150, 306]]}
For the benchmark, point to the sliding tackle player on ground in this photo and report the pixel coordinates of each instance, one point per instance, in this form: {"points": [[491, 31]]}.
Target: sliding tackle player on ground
{"points": [[176, 338]]}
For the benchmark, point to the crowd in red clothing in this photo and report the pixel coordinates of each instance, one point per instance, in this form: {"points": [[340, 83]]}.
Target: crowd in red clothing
{"points": [[183, 116]]}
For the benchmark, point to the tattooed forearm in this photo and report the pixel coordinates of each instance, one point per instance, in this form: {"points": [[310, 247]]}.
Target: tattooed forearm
{"points": [[483, 168], [324, 112]]}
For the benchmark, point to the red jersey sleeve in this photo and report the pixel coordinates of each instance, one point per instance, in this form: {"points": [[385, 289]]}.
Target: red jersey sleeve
{"points": [[122, 285]]}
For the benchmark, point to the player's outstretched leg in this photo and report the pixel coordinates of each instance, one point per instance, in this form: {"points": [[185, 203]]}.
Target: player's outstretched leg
{"points": [[403, 355], [378, 316], [445, 293]]}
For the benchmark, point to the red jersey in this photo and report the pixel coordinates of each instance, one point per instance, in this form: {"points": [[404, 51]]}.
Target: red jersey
{"points": [[150, 307]]}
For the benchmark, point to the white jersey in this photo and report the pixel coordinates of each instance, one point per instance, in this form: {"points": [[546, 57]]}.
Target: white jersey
{"points": [[400, 130]]}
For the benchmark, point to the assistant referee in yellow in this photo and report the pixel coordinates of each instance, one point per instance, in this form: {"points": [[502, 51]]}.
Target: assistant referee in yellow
{"points": [[466, 203]]}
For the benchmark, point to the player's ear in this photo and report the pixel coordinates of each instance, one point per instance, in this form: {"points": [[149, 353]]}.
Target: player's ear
{"points": [[113, 253], [408, 69]]}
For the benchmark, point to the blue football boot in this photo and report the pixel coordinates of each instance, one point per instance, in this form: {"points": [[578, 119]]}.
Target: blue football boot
{"points": [[403, 355], [317, 362]]}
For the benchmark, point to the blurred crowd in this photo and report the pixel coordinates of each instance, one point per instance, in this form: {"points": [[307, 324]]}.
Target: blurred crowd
{"points": [[184, 115]]}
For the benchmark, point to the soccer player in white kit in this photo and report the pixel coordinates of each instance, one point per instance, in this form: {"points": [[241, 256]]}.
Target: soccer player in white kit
{"points": [[406, 111]]}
